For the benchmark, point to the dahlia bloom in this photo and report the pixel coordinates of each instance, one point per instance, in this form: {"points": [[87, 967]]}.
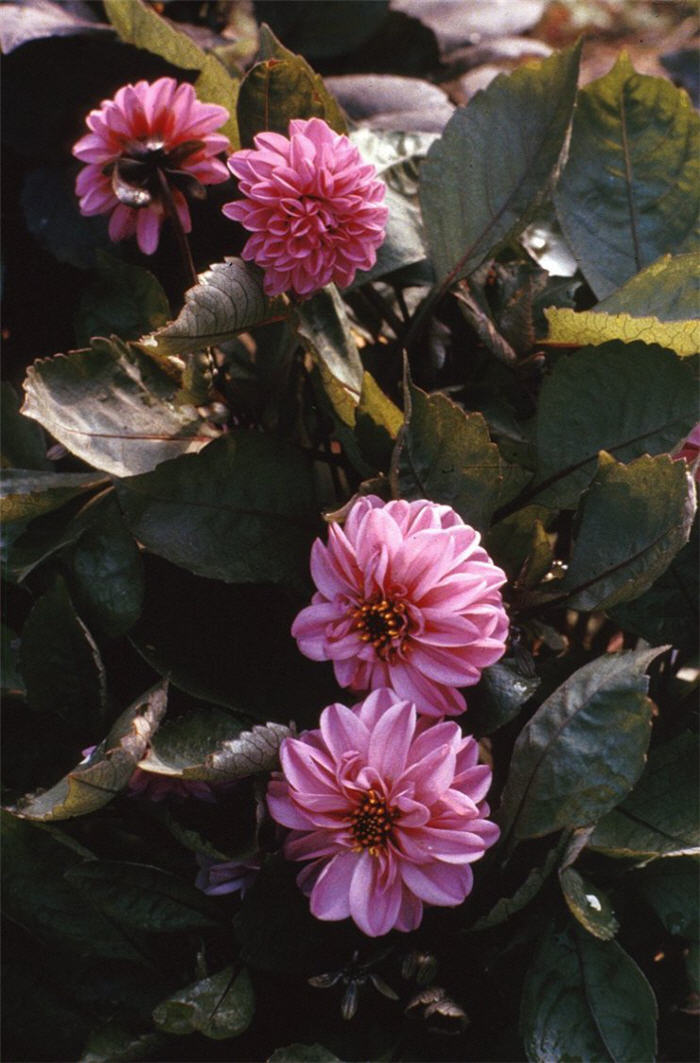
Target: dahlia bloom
{"points": [[407, 599], [388, 807], [148, 136], [314, 208]]}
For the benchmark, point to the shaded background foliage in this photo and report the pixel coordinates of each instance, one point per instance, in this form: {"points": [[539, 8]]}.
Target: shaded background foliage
{"points": [[111, 951]]}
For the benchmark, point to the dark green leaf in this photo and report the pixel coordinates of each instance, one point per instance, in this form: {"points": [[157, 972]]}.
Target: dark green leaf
{"points": [[94, 783], [660, 816], [303, 1054], [53, 531], [281, 87], [584, 748], [513, 541], [37, 895], [112, 1043], [107, 573], [10, 679], [241, 511], [188, 749], [502, 691], [671, 888], [588, 904], [667, 612], [627, 399], [650, 504], [668, 290], [122, 299], [227, 299], [446, 455], [586, 999], [220, 1007], [26, 494], [112, 407], [137, 23], [628, 193], [53, 217], [142, 898], [60, 662], [22, 445], [485, 176]]}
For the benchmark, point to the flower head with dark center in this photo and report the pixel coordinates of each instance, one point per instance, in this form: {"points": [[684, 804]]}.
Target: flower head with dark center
{"points": [[151, 144], [388, 807], [315, 210], [407, 598]]}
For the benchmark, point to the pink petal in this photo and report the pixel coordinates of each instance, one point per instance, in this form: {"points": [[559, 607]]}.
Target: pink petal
{"points": [[330, 896]]}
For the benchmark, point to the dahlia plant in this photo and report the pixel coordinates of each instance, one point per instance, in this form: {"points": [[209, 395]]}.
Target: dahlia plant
{"points": [[366, 565]]}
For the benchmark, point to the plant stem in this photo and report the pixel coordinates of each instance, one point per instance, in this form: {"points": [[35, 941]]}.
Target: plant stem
{"points": [[180, 235]]}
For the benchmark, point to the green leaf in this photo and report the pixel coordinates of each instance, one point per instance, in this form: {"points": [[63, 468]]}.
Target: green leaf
{"points": [[669, 289], [650, 504], [513, 542], [303, 1054], [323, 325], [219, 1007], [107, 573], [112, 1043], [588, 905], [26, 494], [122, 299], [628, 193], [94, 783], [215, 747], [586, 999], [671, 888], [446, 455], [571, 328], [11, 681], [112, 407], [60, 662], [38, 896], [485, 176], [22, 442], [501, 692], [667, 612], [660, 816], [242, 511], [137, 23], [227, 299], [627, 399], [584, 748], [142, 898], [281, 87]]}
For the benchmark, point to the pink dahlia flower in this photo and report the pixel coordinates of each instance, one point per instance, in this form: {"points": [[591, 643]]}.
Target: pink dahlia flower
{"points": [[314, 208], [390, 811], [407, 599], [150, 137]]}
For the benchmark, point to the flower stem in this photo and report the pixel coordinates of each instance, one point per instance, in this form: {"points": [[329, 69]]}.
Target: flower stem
{"points": [[180, 235]]}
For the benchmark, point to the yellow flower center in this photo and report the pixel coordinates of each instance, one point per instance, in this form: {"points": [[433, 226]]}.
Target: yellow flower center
{"points": [[384, 623], [372, 822]]}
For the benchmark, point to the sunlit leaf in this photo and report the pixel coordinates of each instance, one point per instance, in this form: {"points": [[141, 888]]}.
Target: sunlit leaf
{"points": [[586, 999], [94, 783], [628, 193], [486, 174], [26, 494], [583, 750], [112, 407], [219, 1007], [570, 328], [669, 289], [227, 299]]}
